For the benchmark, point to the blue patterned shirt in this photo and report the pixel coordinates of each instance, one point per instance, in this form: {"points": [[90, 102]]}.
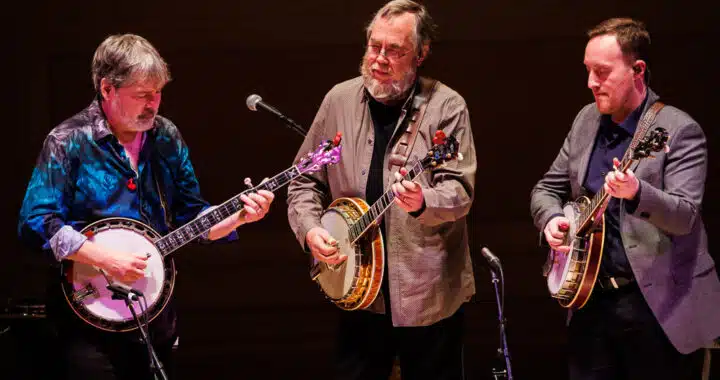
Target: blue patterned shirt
{"points": [[83, 175]]}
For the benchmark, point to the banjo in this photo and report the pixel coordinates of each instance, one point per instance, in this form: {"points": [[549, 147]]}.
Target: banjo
{"points": [[571, 276], [85, 287], [355, 283]]}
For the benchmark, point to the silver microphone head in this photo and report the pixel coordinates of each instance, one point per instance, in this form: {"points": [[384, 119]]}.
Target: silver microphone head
{"points": [[488, 255], [252, 101]]}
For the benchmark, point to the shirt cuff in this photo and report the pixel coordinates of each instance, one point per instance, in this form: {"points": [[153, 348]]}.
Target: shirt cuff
{"points": [[204, 237], [632, 204], [65, 242], [419, 211]]}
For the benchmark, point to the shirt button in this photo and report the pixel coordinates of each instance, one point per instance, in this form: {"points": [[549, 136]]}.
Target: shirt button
{"points": [[370, 141], [603, 173], [363, 172]]}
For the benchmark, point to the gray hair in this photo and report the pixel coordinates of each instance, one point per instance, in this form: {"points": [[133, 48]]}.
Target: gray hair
{"points": [[424, 25], [126, 58]]}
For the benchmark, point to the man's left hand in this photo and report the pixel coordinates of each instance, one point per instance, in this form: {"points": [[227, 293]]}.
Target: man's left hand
{"points": [[621, 185], [256, 206], [408, 194]]}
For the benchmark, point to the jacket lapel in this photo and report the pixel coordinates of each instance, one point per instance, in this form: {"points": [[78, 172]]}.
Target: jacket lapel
{"points": [[586, 142], [652, 98]]}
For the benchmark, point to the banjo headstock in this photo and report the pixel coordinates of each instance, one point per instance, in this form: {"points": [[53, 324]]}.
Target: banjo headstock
{"points": [[445, 149], [327, 153], [654, 141]]}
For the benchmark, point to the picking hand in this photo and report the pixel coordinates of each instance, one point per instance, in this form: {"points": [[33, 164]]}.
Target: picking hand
{"points": [[323, 246], [555, 233], [126, 267]]}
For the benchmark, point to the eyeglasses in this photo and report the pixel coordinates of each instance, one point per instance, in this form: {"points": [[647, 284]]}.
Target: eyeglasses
{"points": [[389, 53]]}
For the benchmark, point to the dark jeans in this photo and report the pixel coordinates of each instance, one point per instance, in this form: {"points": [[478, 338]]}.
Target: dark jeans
{"points": [[616, 336], [90, 353], [109, 356], [368, 344]]}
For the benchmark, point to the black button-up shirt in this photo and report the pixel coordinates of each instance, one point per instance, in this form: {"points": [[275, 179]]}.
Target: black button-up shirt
{"points": [[612, 141]]}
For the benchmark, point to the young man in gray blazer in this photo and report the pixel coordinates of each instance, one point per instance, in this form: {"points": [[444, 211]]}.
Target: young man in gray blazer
{"points": [[657, 299]]}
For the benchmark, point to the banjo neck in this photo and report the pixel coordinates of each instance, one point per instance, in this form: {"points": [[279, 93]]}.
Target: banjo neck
{"points": [[378, 208], [598, 203], [327, 153], [198, 226]]}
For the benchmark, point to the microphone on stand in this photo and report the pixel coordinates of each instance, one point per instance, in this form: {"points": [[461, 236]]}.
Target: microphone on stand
{"points": [[495, 268], [491, 258], [254, 101], [121, 291]]}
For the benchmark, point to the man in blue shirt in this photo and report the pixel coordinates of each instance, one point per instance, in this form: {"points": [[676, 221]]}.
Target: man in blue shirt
{"points": [[116, 158]]}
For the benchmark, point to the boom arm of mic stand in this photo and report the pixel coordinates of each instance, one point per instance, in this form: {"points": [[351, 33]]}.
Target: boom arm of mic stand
{"points": [[293, 125]]}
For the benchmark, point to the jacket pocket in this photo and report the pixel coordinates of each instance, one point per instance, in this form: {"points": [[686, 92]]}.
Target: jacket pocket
{"points": [[686, 271]]}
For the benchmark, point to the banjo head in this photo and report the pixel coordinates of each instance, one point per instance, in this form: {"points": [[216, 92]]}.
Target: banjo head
{"points": [[338, 281], [562, 262], [355, 283], [85, 287]]}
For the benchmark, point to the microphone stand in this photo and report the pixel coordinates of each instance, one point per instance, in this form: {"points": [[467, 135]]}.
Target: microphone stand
{"points": [[156, 366], [507, 373], [292, 124]]}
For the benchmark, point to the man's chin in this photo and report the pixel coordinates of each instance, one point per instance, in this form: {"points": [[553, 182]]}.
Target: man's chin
{"points": [[602, 106], [383, 94], [144, 126]]}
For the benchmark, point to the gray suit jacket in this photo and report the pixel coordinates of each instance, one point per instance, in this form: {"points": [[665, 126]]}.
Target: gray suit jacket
{"points": [[664, 238]]}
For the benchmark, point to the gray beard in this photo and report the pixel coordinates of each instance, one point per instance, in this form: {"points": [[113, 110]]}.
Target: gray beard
{"points": [[396, 89]]}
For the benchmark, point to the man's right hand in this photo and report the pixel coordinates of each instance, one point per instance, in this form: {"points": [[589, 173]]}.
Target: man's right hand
{"points": [[323, 246], [555, 233], [126, 267]]}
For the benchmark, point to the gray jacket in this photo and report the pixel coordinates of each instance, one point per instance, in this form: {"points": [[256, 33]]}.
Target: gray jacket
{"points": [[664, 238]]}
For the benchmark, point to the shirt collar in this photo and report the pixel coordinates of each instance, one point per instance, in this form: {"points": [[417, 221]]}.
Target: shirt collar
{"points": [[99, 125], [630, 123]]}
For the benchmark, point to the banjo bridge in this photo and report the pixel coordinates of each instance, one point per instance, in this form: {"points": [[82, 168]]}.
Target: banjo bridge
{"points": [[88, 291], [334, 267]]}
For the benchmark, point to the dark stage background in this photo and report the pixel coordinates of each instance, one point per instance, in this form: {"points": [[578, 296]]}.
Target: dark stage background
{"points": [[249, 309]]}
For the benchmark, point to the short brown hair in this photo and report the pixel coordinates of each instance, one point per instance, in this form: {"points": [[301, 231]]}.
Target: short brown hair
{"points": [[424, 25], [631, 35], [127, 57]]}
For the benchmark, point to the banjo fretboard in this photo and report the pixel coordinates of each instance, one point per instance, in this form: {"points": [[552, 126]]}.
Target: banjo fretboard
{"points": [[202, 224], [378, 208]]}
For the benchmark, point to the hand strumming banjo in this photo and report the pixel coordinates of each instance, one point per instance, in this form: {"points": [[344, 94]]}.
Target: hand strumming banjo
{"points": [[355, 283], [85, 286]]}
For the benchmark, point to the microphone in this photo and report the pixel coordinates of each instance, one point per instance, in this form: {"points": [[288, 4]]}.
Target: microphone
{"points": [[123, 291], [491, 258], [254, 101]]}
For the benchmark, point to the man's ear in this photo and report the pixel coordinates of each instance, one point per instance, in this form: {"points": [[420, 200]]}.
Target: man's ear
{"points": [[106, 88], [639, 67], [423, 53]]}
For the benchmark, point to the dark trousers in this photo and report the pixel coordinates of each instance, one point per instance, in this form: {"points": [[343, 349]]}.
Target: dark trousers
{"points": [[368, 344], [616, 336], [86, 352], [109, 356]]}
